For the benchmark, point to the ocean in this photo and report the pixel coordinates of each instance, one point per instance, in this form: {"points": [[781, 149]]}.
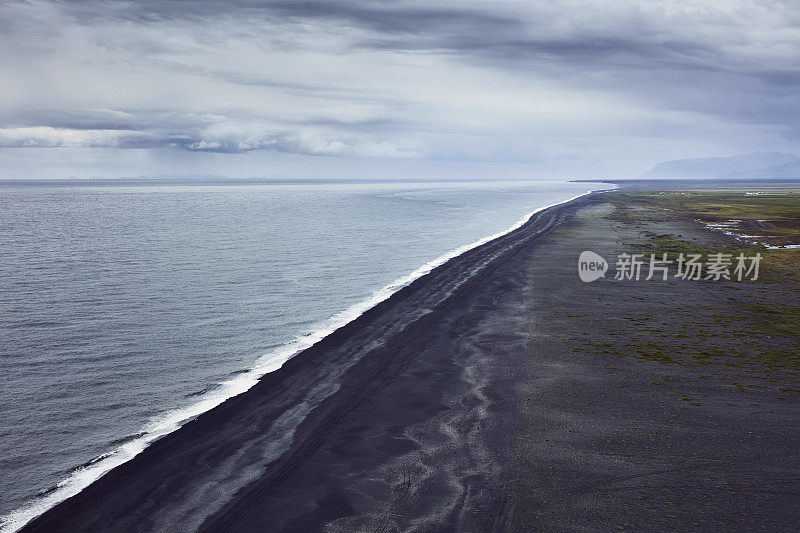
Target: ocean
{"points": [[130, 307]]}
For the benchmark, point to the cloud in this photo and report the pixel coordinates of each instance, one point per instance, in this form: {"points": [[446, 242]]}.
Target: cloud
{"points": [[224, 137], [506, 81], [238, 138], [46, 137]]}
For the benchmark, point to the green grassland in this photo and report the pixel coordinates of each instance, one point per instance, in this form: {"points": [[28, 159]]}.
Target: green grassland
{"points": [[773, 215], [753, 329]]}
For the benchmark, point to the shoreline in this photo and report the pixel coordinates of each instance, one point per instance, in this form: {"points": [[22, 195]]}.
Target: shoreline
{"points": [[502, 393], [173, 421]]}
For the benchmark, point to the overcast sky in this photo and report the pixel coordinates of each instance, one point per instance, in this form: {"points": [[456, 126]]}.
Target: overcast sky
{"points": [[419, 89]]}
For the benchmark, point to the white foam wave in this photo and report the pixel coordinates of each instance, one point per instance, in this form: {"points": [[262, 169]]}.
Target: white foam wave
{"points": [[270, 362]]}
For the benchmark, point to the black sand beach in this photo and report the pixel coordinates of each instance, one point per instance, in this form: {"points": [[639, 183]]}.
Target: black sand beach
{"points": [[497, 393]]}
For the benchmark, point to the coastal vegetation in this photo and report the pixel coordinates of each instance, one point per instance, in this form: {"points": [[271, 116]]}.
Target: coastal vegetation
{"points": [[749, 332]]}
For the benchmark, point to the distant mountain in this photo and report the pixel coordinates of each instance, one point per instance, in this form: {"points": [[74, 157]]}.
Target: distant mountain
{"points": [[790, 170], [724, 167]]}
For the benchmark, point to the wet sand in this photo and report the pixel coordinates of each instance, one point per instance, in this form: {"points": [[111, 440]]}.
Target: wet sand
{"points": [[479, 398]]}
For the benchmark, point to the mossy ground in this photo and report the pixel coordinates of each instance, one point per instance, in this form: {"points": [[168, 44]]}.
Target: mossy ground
{"points": [[749, 331], [773, 215], [676, 404]]}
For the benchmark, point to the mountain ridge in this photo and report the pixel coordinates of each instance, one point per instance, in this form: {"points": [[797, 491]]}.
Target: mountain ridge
{"points": [[756, 164]]}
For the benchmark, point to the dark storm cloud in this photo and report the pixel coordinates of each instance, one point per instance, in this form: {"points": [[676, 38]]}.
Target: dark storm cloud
{"points": [[474, 31], [398, 78], [391, 17], [468, 28]]}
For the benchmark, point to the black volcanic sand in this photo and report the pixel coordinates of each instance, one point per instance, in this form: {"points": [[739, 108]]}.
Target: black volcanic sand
{"points": [[497, 393]]}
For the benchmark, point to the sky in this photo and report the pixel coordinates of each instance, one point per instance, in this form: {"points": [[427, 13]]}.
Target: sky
{"points": [[392, 89]]}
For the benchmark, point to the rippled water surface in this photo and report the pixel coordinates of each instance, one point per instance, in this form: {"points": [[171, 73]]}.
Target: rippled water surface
{"points": [[121, 304]]}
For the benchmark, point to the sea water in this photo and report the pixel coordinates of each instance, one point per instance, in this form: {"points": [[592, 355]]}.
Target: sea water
{"points": [[129, 307]]}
